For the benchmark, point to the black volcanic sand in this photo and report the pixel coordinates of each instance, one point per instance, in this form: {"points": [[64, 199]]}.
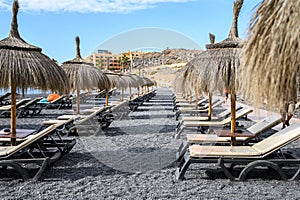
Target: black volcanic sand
{"points": [[134, 159]]}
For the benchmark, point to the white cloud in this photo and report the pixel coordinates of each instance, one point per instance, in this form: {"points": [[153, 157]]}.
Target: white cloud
{"points": [[85, 6]]}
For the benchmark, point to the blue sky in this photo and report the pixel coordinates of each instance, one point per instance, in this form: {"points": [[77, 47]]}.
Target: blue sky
{"points": [[54, 24]]}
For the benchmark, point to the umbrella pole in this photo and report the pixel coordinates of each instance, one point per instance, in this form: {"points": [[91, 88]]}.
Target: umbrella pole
{"points": [[106, 98], [78, 101], [209, 105], [196, 95], [13, 114], [233, 116], [130, 93]]}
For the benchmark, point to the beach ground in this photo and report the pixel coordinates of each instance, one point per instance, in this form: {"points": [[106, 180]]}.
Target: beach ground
{"points": [[135, 159]]}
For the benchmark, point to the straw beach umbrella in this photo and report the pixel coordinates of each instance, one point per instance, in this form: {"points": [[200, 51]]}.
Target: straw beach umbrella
{"points": [[218, 65], [180, 81], [83, 75], [136, 82], [24, 66], [271, 57], [118, 81]]}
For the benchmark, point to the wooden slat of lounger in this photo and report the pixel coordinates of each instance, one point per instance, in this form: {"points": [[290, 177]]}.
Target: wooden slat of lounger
{"points": [[192, 103], [204, 108], [260, 149], [264, 124], [210, 138], [222, 151], [256, 129], [18, 104], [278, 139], [67, 117], [202, 123], [90, 116], [227, 120], [198, 118], [55, 121], [4, 151], [201, 118]]}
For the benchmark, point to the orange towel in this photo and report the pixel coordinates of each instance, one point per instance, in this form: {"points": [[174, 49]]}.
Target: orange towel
{"points": [[52, 97]]}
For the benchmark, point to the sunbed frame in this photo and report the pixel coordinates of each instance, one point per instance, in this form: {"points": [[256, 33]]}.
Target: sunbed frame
{"points": [[257, 129], [267, 153], [206, 124]]}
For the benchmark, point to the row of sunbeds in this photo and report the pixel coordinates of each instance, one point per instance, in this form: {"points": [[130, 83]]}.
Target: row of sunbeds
{"points": [[30, 107], [254, 149], [55, 138]]}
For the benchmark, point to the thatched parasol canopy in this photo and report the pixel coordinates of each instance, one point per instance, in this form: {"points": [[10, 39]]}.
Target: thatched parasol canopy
{"points": [[147, 82], [217, 66], [181, 84], [24, 66], [83, 75], [271, 57], [117, 80]]}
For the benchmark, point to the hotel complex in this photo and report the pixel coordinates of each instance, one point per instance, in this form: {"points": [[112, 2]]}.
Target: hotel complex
{"points": [[104, 59]]}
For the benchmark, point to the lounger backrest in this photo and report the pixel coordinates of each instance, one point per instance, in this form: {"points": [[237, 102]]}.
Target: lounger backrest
{"points": [[18, 104], [5, 96], [31, 102], [22, 102], [9, 150], [216, 103], [119, 105], [227, 112], [265, 124], [202, 100], [278, 139], [92, 115], [238, 115]]}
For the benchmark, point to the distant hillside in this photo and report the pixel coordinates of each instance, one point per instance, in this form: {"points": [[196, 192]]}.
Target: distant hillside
{"points": [[167, 57]]}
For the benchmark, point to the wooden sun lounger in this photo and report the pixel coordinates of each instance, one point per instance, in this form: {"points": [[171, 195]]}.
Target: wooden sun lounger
{"points": [[257, 129], [119, 110], [185, 100], [202, 109], [5, 110], [192, 104], [3, 99], [139, 100], [88, 122], [30, 151], [204, 117], [266, 153], [30, 108], [195, 124], [59, 103]]}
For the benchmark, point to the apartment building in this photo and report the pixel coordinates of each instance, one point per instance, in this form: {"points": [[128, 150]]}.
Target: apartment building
{"points": [[106, 60]]}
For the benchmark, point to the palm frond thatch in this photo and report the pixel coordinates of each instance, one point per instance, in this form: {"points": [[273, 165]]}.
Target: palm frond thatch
{"points": [[117, 80], [271, 57], [83, 75], [24, 66], [147, 82]]}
